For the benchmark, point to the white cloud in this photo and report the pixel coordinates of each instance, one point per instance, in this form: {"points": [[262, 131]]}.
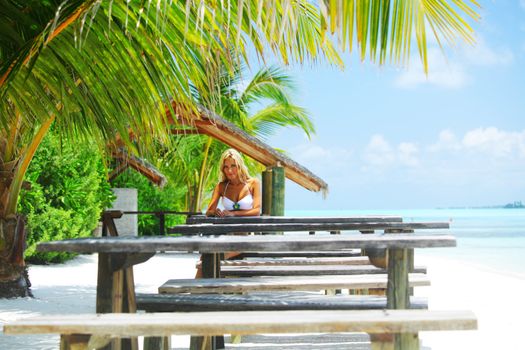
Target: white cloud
{"points": [[452, 72], [311, 152], [489, 141], [380, 153], [447, 141], [496, 143], [408, 153], [483, 55], [318, 158], [441, 73]]}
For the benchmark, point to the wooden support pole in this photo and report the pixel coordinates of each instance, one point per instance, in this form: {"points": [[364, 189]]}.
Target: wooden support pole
{"points": [[397, 289], [104, 284], [267, 192], [398, 294], [117, 301], [162, 223], [74, 341], [278, 181], [211, 264]]}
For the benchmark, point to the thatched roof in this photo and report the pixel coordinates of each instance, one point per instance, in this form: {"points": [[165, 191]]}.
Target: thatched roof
{"points": [[209, 123], [125, 160]]}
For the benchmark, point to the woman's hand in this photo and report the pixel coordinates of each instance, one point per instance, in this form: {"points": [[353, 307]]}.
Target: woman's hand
{"points": [[223, 213]]}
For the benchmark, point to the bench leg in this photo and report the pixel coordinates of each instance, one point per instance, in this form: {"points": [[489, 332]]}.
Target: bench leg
{"points": [[408, 341], [387, 341], [157, 343], [382, 341], [74, 341]]}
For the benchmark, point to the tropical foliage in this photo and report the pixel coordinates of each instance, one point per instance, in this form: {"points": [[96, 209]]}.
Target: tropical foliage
{"points": [[99, 68], [67, 194], [257, 106]]}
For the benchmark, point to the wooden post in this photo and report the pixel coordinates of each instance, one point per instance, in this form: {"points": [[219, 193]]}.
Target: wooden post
{"points": [[74, 341], [104, 287], [278, 181], [398, 294], [267, 192], [210, 266], [129, 305], [104, 284], [162, 223]]}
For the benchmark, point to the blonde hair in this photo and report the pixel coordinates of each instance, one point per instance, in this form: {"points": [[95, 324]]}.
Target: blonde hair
{"points": [[239, 162]]}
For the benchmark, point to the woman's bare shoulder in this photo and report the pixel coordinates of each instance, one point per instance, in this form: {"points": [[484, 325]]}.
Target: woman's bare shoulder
{"points": [[253, 181]]}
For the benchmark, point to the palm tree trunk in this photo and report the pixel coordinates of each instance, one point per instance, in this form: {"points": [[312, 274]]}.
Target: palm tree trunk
{"points": [[200, 185], [14, 281]]}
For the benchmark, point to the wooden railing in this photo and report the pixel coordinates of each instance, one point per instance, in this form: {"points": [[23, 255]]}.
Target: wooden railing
{"points": [[109, 216]]}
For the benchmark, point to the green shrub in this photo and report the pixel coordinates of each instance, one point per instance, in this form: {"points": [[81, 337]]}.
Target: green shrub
{"points": [[68, 192]]}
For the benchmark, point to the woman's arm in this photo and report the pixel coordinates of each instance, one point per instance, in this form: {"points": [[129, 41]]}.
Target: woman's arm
{"points": [[212, 207]]}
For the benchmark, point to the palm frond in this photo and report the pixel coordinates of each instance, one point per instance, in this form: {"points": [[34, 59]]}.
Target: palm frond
{"points": [[385, 28], [271, 83], [267, 120]]}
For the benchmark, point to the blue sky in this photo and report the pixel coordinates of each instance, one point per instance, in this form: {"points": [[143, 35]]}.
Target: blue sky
{"points": [[390, 138]]}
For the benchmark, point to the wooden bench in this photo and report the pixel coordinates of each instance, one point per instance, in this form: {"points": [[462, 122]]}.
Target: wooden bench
{"points": [[98, 329], [303, 270], [301, 254], [287, 283], [202, 219], [222, 229], [287, 261], [264, 302]]}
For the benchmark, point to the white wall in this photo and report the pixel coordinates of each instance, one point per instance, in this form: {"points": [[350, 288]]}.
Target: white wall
{"points": [[126, 201]]}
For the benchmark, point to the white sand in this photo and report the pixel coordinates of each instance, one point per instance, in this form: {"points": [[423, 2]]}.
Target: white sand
{"points": [[496, 299]]}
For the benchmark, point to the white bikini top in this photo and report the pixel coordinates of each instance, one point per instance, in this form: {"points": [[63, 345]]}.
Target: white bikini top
{"points": [[244, 203]]}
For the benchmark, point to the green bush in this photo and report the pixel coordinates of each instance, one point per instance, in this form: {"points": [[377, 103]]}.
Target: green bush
{"points": [[68, 192]]}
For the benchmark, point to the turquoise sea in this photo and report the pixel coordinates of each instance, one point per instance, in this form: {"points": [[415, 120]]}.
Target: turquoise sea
{"points": [[489, 238]]}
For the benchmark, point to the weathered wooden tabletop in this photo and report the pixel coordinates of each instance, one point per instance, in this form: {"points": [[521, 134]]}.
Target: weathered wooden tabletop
{"points": [[202, 219], [213, 229], [272, 243]]}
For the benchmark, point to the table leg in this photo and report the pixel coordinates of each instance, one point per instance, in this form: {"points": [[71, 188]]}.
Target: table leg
{"points": [[115, 293], [104, 284], [129, 304], [211, 268], [398, 294]]}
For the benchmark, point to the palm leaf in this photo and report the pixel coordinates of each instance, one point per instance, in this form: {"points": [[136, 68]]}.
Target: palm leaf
{"points": [[275, 116]]}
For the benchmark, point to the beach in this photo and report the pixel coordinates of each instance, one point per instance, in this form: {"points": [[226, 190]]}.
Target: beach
{"points": [[494, 296]]}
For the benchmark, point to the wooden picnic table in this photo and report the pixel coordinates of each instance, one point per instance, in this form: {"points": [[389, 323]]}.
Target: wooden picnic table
{"points": [[117, 255]]}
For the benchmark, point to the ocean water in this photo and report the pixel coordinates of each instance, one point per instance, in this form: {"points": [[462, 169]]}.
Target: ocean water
{"points": [[492, 239]]}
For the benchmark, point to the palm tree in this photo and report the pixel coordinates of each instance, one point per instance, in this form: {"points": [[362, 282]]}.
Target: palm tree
{"points": [[258, 106], [97, 68]]}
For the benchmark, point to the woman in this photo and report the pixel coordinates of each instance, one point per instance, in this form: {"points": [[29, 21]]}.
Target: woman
{"points": [[240, 193]]}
